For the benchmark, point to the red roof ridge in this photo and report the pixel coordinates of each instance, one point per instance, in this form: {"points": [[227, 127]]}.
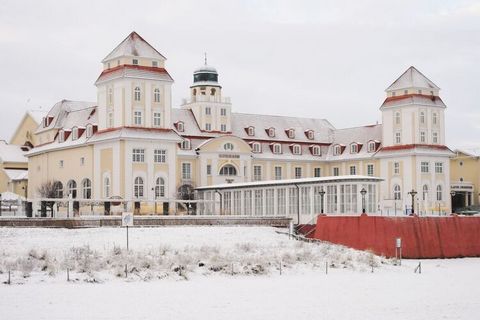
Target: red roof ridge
{"points": [[132, 66], [412, 146]]}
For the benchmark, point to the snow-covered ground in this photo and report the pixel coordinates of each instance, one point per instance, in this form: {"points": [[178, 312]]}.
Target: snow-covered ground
{"points": [[186, 273]]}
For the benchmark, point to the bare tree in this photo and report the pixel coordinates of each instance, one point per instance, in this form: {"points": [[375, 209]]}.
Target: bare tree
{"points": [[50, 190]]}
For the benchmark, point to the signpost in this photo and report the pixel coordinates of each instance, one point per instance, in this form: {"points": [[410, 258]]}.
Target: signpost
{"points": [[127, 221]]}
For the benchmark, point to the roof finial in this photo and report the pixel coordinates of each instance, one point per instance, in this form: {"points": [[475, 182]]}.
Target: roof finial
{"points": [[205, 58]]}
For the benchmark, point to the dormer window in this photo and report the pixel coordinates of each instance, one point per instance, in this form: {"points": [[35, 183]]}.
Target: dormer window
{"points": [[277, 148], [251, 131], [185, 144], [256, 147], [296, 149], [271, 132], [75, 133], [337, 150], [372, 146], [135, 62], [61, 136], [316, 151], [354, 148], [310, 134], [180, 126], [89, 130], [291, 133], [45, 122]]}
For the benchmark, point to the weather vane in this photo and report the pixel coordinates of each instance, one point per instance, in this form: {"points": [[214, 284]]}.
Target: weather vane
{"points": [[205, 58]]}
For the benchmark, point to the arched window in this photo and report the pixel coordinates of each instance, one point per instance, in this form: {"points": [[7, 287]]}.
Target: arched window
{"points": [[316, 151], [256, 147], [397, 117], [228, 146], [137, 95], [72, 188], [425, 192], [110, 96], [185, 145], [89, 130], [156, 95], [422, 117], [106, 187], [353, 148], [371, 146], [397, 195], [212, 91], [434, 118], [251, 131], [310, 134], [180, 126], [228, 170], [271, 132], [159, 188], [138, 187], [86, 189], [439, 193], [58, 188], [296, 149], [337, 150]]}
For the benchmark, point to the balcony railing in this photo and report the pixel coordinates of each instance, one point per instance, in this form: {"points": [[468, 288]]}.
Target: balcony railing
{"points": [[205, 98]]}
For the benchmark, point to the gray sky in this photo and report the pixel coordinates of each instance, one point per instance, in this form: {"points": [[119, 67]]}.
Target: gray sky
{"points": [[319, 59]]}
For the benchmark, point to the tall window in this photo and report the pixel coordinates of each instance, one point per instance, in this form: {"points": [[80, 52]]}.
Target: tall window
{"points": [[317, 172], [159, 156], [209, 169], [396, 167], [110, 96], [353, 170], [87, 189], [370, 170], [398, 137], [434, 137], [136, 94], [110, 120], [137, 117], [156, 95], [58, 187], [278, 173], [298, 172], [434, 118], [138, 155], [138, 187], [397, 118], [106, 187], [228, 170], [208, 126], [257, 173], [223, 112], [422, 137], [72, 188], [439, 193], [422, 117], [159, 188], [438, 167], [425, 192], [397, 195], [186, 170], [208, 110], [336, 171], [424, 167], [223, 127], [157, 118]]}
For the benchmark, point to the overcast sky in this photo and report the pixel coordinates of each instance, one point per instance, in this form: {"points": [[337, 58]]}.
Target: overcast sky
{"points": [[319, 59]]}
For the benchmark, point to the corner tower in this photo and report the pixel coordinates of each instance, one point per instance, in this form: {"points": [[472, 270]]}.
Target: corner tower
{"points": [[211, 110], [134, 88]]}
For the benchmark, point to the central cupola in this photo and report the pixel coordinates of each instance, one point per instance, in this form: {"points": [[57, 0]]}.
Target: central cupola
{"points": [[205, 75]]}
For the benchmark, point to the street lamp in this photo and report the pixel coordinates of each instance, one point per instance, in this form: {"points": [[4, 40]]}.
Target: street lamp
{"points": [[0, 204], [452, 194], [413, 193], [322, 194], [363, 192]]}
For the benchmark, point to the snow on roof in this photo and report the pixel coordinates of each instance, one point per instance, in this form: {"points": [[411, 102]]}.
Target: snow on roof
{"points": [[412, 78], [37, 115], [137, 72], [11, 153], [16, 174], [472, 152], [417, 99], [361, 135], [134, 46], [290, 181], [61, 111], [10, 196]]}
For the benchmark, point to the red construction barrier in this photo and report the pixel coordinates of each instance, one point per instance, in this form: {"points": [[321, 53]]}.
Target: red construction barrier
{"points": [[422, 237]]}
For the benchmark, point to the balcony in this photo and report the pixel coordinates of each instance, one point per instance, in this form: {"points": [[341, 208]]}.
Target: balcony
{"points": [[201, 98]]}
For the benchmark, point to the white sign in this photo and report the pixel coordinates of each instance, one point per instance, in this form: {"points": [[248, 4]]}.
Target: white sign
{"points": [[398, 242], [127, 219]]}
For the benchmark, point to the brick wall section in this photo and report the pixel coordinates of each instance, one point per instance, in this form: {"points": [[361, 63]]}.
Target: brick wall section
{"points": [[96, 222], [422, 237]]}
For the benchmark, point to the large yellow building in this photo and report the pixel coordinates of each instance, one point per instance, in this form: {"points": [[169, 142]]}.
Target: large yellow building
{"points": [[132, 144]]}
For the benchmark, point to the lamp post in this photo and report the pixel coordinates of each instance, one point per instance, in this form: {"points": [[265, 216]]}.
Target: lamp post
{"points": [[322, 194], [413, 193], [363, 192], [0, 204], [452, 194]]}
